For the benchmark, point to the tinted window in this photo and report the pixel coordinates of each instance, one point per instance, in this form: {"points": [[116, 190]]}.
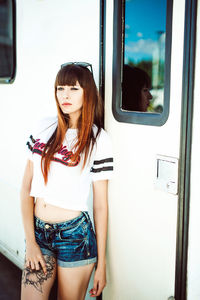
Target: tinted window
{"points": [[7, 40], [144, 55], [141, 61]]}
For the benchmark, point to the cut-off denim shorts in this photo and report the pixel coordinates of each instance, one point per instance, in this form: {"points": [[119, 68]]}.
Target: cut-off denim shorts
{"points": [[72, 243]]}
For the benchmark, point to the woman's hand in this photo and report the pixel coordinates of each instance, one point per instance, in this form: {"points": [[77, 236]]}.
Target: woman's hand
{"points": [[99, 281], [34, 258]]}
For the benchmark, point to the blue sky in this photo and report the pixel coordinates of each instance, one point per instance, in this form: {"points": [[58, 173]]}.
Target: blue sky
{"points": [[143, 18]]}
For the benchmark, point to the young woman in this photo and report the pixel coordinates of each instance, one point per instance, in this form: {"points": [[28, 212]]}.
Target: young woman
{"points": [[68, 155]]}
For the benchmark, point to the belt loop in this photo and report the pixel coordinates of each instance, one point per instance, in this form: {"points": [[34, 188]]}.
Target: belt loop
{"points": [[86, 215]]}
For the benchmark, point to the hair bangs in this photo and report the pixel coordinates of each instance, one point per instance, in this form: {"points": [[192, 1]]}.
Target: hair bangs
{"points": [[66, 77], [70, 74]]}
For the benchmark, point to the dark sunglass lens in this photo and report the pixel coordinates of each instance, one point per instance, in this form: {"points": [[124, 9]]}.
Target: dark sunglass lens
{"points": [[81, 64]]}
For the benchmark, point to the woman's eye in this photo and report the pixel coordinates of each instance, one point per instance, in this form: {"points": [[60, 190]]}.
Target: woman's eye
{"points": [[74, 88], [60, 88]]}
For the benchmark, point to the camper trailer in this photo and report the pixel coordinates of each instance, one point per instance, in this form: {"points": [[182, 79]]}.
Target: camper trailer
{"points": [[153, 248]]}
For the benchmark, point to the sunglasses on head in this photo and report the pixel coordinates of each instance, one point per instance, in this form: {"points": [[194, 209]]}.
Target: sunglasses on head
{"points": [[80, 64]]}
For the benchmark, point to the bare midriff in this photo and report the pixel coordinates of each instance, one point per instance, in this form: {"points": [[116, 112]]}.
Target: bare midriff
{"points": [[53, 214]]}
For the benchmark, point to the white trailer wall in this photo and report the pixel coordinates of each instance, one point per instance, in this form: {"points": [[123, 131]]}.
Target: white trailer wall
{"points": [[49, 33]]}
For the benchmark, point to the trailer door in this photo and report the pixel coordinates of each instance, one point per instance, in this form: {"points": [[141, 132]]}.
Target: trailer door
{"points": [[147, 38]]}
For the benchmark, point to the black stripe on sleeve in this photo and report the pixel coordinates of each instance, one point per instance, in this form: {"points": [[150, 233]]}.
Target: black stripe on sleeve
{"points": [[98, 170], [102, 161]]}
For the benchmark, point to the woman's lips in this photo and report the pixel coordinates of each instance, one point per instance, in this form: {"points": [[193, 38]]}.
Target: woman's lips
{"points": [[66, 104]]}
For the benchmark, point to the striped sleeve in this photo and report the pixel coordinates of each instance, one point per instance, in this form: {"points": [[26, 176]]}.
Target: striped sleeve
{"points": [[102, 167]]}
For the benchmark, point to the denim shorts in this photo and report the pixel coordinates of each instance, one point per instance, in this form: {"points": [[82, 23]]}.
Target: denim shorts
{"points": [[72, 243]]}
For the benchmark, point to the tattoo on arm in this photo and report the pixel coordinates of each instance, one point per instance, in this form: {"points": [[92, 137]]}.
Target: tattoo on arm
{"points": [[37, 277]]}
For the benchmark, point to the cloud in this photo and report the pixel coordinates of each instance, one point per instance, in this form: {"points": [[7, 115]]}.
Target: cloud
{"points": [[139, 34], [142, 46]]}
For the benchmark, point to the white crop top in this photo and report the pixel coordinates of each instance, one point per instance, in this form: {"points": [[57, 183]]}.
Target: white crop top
{"points": [[68, 184]]}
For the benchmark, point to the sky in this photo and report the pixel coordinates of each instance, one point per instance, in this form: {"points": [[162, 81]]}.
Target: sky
{"points": [[143, 20]]}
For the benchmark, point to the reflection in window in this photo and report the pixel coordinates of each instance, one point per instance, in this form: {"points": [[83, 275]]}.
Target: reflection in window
{"points": [[144, 55], [7, 47], [136, 88]]}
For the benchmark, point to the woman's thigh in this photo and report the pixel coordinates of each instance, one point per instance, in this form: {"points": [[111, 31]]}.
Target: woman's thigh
{"points": [[35, 284], [73, 282]]}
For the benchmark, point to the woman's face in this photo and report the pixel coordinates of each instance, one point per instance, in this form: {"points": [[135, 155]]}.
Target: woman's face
{"points": [[70, 99], [145, 98]]}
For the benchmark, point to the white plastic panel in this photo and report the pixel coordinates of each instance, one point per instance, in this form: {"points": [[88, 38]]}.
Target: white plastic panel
{"points": [[167, 174]]}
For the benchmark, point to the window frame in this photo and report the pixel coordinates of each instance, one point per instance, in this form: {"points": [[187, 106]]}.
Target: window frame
{"points": [[10, 79], [144, 118]]}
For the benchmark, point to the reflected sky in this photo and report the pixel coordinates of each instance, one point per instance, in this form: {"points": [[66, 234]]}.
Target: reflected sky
{"points": [[144, 24]]}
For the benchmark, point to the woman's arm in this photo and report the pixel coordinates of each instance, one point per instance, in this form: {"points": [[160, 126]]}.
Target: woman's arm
{"points": [[100, 208], [33, 252]]}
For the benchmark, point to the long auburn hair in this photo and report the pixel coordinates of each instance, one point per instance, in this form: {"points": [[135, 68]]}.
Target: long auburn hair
{"points": [[91, 113]]}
